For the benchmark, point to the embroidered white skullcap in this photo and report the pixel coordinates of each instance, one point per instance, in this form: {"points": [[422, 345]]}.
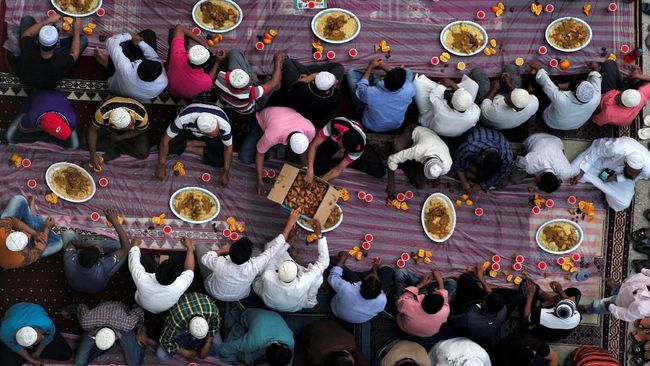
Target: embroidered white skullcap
{"points": [[432, 169], [630, 98], [635, 160], [16, 241], [287, 271], [48, 36], [585, 92], [199, 327], [472, 362], [299, 143], [207, 122], [120, 118], [519, 98], [26, 336], [198, 55], [325, 80], [104, 339], [461, 100], [238, 78]]}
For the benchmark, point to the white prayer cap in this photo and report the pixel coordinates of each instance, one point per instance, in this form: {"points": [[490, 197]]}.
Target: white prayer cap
{"points": [[325, 80], [519, 98], [635, 160], [630, 98], [207, 122], [238, 78], [48, 36], [104, 339], [585, 92], [199, 327], [198, 55], [472, 362], [26, 336], [461, 100], [120, 118], [432, 169], [17, 241], [287, 271], [299, 143]]}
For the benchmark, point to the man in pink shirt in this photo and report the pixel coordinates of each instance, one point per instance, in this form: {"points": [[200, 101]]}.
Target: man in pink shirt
{"points": [[617, 106], [188, 71], [275, 126], [422, 315]]}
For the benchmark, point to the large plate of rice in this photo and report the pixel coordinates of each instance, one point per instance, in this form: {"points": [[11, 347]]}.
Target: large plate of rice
{"points": [[350, 26], [69, 7], [438, 217], [463, 38]]}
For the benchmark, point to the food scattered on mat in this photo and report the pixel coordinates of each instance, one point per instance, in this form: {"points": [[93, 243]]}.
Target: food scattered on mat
{"points": [[498, 9], [336, 26], [71, 183], [51, 198], [305, 197], [536, 8], [559, 236], [194, 205], [382, 47], [217, 14], [77, 6], [437, 218], [178, 169], [463, 38], [568, 34], [235, 225], [16, 160], [158, 220]]}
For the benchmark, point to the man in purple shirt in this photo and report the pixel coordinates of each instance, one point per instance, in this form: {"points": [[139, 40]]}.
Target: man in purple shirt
{"points": [[48, 116]]}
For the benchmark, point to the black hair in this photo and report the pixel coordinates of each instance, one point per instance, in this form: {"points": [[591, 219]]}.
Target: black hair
{"points": [[490, 163], [48, 48], [548, 182], [340, 358], [278, 355], [573, 292], [166, 273], [395, 79], [149, 70], [493, 303], [352, 141], [88, 257], [432, 303], [241, 251], [370, 287]]}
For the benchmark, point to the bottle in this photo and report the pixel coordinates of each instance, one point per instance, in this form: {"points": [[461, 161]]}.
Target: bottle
{"points": [[581, 275], [631, 56]]}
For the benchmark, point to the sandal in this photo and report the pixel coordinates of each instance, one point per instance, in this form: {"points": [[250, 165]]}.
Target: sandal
{"points": [[640, 336], [642, 323], [638, 235]]}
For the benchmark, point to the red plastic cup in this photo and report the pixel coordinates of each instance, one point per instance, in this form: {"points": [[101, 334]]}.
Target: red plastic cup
{"points": [[408, 194], [103, 182], [259, 46], [549, 8], [495, 267], [536, 210], [271, 173], [401, 197], [353, 52], [435, 60], [167, 229], [369, 197], [560, 261], [496, 258], [265, 173], [226, 233], [553, 63], [480, 15], [311, 5], [401, 263], [206, 177], [26, 163], [549, 203], [31, 183], [361, 195], [519, 259], [366, 246], [191, 364], [330, 55], [51, 13], [94, 216], [517, 266], [625, 48], [478, 211], [612, 7], [541, 266], [100, 12], [572, 200], [368, 237], [234, 236], [196, 31], [317, 56], [405, 256], [575, 257], [542, 50]]}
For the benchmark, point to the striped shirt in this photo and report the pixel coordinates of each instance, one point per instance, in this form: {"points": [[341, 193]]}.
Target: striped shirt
{"points": [[477, 141], [190, 305], [111, 314], [339, 126], [243, 99], [135, 109], [186, 120]]}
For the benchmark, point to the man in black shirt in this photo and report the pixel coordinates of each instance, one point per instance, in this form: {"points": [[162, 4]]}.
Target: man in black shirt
{"points": [[550, 316], [523, 349], [44, 60]]}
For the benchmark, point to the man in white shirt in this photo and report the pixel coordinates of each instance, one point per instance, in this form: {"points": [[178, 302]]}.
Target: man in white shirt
{"points": [[613, 165], [421, 154], [507, 105], [543, 158], [134, 68], [229, 271], [447, 108], [159, 291], [569, 109], [459, 351], [289, 286]]}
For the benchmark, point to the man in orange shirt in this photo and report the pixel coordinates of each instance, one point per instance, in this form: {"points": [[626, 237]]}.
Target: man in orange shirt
{"points": [[620, 106]]}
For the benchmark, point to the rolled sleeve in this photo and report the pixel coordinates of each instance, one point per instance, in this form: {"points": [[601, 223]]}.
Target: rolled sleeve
{"points": [[335, 278], [362, 90]]}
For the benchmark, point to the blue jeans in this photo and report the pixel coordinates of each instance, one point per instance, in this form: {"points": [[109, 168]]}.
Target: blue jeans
{"points": [[18, 207], [64, 44], [404, 278], [248, 148], [187, 341], [109, 246], [133, 352], [352, 78], [14, 135], [598, 306]]}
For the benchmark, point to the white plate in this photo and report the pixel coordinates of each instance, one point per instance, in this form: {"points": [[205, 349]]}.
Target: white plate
{"points": [[171, 205], [325, 12], [548, 30], [453, 216], [446, 29], [303, 225], [56, 166], [99, 5], [581, 235], [210, 29]]}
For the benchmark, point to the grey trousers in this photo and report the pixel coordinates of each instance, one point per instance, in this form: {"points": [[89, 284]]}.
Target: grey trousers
{"points": [[236, 60], [200, 251], [481, 78]]}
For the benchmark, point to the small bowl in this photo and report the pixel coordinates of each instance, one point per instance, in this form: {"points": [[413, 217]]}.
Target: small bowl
{"points": [[100, 12], [496, 258], [401, 197], [549, 8], [271, 173], [330, 55], [560, 261], [480, 15], [259, 46], [369, 238], [226, 233], [103, 182], [478, 211], [366, 245], [31, 183], [542, 50], [234, 236], [612, 7], [353, 52], [317, 55], [206, 177], [369, 198], [519, 259], [536, 210], [94, 216], [167, 229], [435, 60], [495, 267], [51, 13], [576, 257], [26, 163], [361, 195], [572, 200], [549, 203], [553, 63], [408, 194], [517, 266], [541, 266], [400, 263], [625, 48], [405, 256]]}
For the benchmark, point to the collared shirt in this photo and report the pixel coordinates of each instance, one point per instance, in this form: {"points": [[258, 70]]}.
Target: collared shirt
{"points": [[125, 81], [242, 100], [136, 110], [263, 328], [190, 305], [614, 114], [10, 259], [335, 129], [151, 295], [497, 114], [385, 109], [406, 349], [111, 314], [25, 314], [457, 351], [478, 140], [545, 153], [611, 153], [565, 111], [44, 101], [232, 282], [278, 123], [413, 320], [633, 299], [348, 304], [478, 324], [299, 293], [88, 280], [426, 145], [186, 120], [185, 81]]}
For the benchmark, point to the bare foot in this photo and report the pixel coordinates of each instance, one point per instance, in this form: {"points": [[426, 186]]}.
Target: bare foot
{"points": [[101, 57]]}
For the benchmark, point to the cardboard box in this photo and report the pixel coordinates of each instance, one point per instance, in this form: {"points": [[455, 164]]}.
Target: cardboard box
{"points": [[284, 181]]}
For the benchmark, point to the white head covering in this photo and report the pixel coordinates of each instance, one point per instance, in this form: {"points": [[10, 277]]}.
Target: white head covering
{"points": [[120, 118], [635, 160], [199, 327], [198, 55], [287, 271], [472, 362], [432, 168], [519, 98], [16, 241], [630, 98], [104, 339], [325, 80], [26, 336], [238, 78], [48, 36], [585, 92], [207, 122], [299, 142], [461, 100]]}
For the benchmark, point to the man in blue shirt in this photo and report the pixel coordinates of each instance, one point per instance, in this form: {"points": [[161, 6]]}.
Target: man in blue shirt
{"points": [[382, 103], [27, 334]]}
